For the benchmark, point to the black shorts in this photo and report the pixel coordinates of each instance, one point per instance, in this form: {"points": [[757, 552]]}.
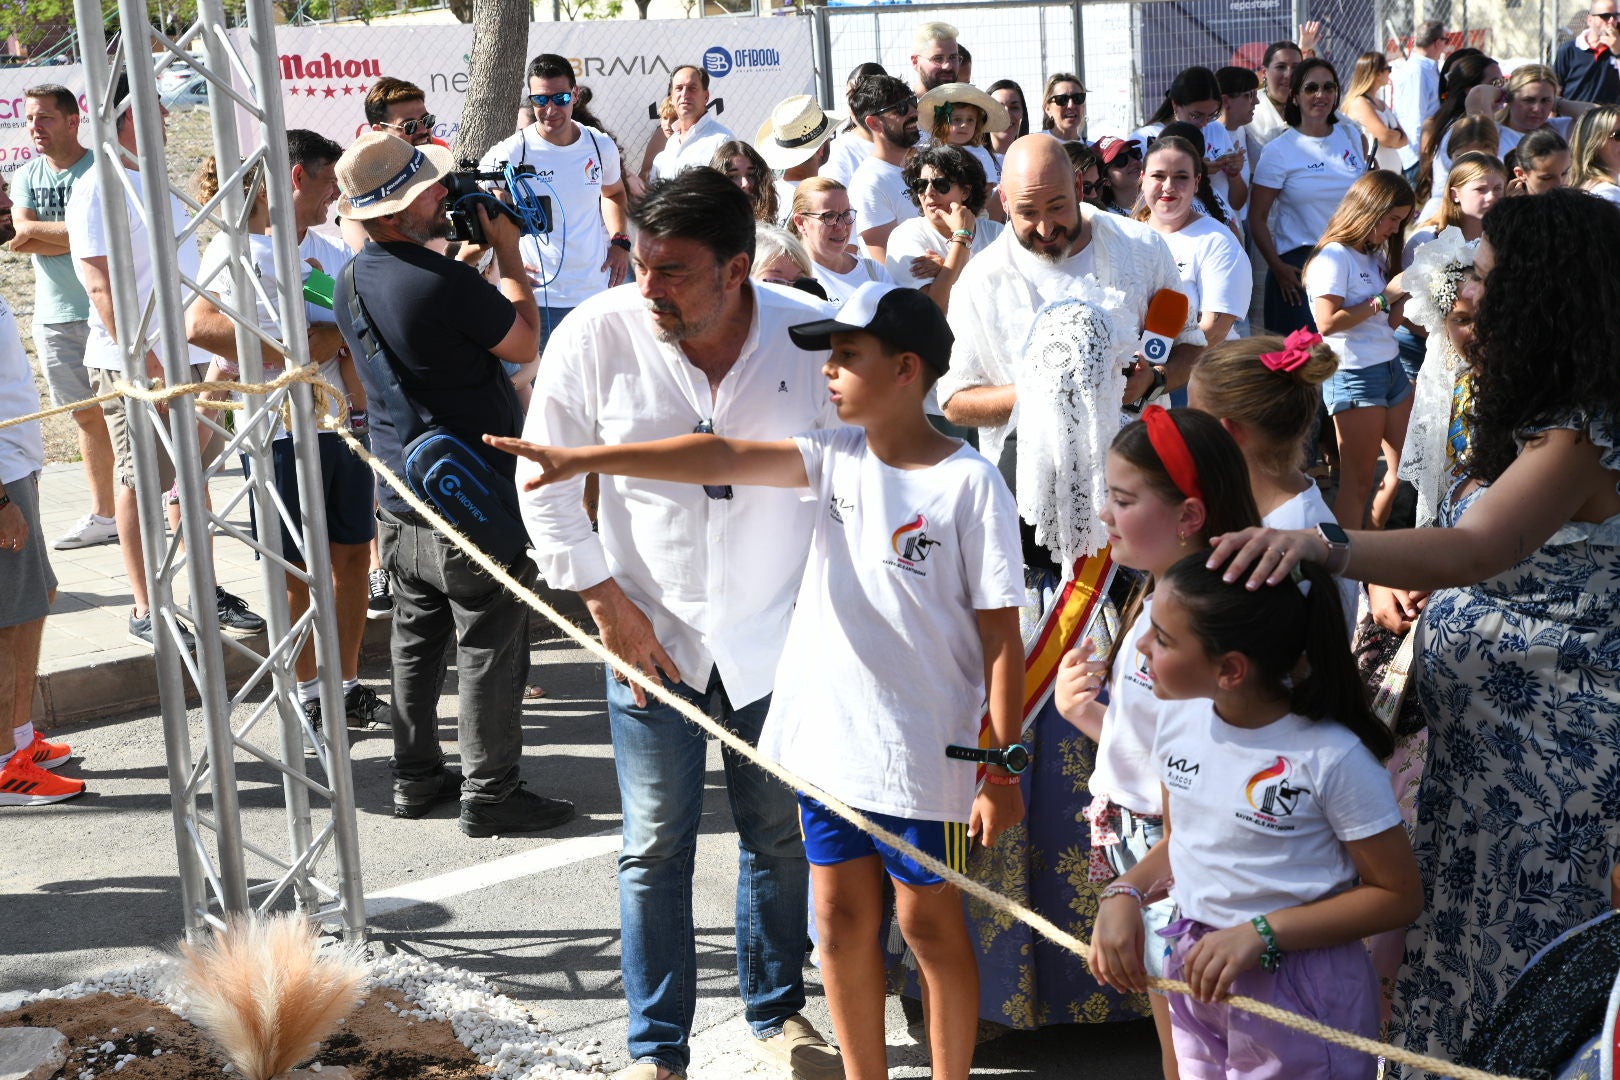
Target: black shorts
{"points": [[346, 480]]}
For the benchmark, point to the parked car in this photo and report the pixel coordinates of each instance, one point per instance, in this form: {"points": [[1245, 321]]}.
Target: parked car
{"points": [[192, 94]]}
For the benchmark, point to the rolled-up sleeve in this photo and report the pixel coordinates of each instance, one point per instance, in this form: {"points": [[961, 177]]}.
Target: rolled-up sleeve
{"points": [[567, 550]]}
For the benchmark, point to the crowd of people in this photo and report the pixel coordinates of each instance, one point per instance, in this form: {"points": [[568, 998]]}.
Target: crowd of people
{"points": [[836, 431]]}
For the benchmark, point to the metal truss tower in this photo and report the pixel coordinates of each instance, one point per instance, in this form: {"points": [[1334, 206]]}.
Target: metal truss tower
{"points": [[316, 868]]}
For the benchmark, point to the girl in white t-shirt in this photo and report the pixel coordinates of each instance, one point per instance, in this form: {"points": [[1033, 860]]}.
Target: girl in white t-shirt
{"points": [[1214, 269], [822, 218], [963, 116], [1369, 397], [1285, 845], [1539, 163], [1174, 480]]}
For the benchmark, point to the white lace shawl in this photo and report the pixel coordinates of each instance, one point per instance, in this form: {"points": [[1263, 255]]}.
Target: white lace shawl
{"points": [[1433, 278], [1070, 383]]}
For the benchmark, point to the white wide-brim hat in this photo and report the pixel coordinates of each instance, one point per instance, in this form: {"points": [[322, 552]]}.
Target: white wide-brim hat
{"points": [[796, 129], [995, 113], [383, 174]]}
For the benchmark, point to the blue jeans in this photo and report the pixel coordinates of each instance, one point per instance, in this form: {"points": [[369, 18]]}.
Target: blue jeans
{"points": [[660, 761]]}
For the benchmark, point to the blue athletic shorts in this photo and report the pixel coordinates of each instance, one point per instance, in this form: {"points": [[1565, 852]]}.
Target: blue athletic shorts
{"points": [[347, 481], [830, 840]]}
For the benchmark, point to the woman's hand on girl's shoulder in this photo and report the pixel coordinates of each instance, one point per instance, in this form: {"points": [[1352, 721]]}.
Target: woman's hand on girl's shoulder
{"points": [[1215, 962]]}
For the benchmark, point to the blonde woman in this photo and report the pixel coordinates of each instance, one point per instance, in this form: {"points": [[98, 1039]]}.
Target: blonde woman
{"points": [[1369, 397], [1364, 103], [823, 219], [1594, 153], [1528, 101]]}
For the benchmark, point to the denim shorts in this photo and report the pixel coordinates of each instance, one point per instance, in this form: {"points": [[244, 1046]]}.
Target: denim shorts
{"points": [[1382, 386], [830, 840]]}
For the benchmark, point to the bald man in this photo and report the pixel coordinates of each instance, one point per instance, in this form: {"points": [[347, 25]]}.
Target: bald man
{"points": [[1053, 239]]}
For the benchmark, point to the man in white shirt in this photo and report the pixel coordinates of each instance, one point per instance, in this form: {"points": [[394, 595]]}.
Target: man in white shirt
{"points": [[877, 191], [697, 133], [588, 249], [1050, 242], [935, 59], [1417, 89], [87, 237], [694, 585]]}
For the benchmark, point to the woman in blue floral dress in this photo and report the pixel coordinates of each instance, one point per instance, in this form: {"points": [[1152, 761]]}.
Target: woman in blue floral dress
{"points": [[1519, 810]]}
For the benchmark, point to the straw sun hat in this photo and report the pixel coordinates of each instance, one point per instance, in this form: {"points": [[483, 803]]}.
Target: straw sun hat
{"points": [[383, 174], [996, 118], [796, 129]]}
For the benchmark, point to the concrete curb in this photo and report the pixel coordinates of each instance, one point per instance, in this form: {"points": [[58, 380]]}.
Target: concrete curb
{"points": [[125, 680]]}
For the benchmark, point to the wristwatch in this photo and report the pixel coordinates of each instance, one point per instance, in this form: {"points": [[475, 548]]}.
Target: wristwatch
{"points": [[1153, 393], [620, 241], [1338, 545], [1014, 758]]}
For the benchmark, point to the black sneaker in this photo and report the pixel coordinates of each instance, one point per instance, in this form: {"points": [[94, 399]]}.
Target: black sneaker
{"points": [[234, 616], [414, 798], [380, 601], [520, 812], [312, 715], [140, 632], [362, 708]]}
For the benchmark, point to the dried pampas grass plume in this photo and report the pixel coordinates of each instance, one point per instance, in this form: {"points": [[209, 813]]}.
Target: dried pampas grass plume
{"points": [[264, 995]]}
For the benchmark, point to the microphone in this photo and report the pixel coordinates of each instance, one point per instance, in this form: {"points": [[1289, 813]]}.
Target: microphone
{"points": [[1166, 315]]}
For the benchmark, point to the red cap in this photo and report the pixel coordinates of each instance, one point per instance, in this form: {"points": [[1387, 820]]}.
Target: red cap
{"points": [[1110, 147]]}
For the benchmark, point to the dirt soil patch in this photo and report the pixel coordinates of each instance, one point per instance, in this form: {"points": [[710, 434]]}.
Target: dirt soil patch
{"points": [[374, 1043]]}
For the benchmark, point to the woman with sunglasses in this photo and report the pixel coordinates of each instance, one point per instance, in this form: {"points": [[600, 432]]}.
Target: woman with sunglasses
{"points": [[1121, 163], [1303, 174], [929, 252], [1063, 112], [1595, 153], [1087, 170], [1364, 103], [823, 220]]}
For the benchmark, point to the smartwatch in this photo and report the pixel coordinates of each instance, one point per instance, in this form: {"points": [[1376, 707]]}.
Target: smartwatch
{"points": [[1338, 545], [1014, 758]]}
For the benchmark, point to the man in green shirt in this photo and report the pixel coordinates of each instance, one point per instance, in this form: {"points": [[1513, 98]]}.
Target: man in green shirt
{"points": [[41, 189]]}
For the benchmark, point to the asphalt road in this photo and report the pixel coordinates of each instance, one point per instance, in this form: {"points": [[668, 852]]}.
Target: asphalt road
{"points": [[90, 886]]}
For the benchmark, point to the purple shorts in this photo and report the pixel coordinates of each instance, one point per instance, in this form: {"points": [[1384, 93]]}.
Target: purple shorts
{"points": [[1334, 986]]}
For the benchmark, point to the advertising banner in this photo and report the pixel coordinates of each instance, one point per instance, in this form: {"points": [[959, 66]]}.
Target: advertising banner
{"points": [[15, 145]]}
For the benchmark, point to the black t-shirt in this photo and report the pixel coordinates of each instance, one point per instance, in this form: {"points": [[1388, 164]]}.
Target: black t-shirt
{"points": [[438, 319]]}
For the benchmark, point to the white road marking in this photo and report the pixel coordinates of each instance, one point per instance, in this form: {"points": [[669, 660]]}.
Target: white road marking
{"points": [[486, 875]]}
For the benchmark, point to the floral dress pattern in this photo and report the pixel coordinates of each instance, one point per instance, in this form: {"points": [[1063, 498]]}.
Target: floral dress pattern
{"points": [[1519, 810]]}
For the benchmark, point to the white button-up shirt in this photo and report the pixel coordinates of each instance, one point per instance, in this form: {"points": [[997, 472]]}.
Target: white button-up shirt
{"points": [[717, 577], [1416, 98], [696, 147]]}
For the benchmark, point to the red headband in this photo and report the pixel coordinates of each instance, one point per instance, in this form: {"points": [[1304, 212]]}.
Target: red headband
{"points": [[1172, 450]]}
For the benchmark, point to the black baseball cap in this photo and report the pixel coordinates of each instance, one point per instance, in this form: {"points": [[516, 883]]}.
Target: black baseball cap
{"points": [[904, 319]]}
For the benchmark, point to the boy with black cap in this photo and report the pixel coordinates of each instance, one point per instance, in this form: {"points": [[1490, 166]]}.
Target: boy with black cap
{"points": [[907, 614]]}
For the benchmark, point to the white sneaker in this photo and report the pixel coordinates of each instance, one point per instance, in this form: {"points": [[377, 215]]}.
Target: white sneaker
{"points": [[88, 532]]}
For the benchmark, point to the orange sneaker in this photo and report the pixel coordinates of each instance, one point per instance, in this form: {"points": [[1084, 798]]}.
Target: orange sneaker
{"points": [[22, 783], [47, 755]]}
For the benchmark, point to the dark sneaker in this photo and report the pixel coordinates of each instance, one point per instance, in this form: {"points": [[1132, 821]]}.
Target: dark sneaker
{"points": [[234, 616], [140, 632], [380, 599], [414, 798], [520, 812], [312, 717], [362, 708]]}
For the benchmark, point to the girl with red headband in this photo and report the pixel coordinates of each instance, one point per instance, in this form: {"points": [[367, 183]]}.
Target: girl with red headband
{"points": [[1173, 479], [1287, 847]]}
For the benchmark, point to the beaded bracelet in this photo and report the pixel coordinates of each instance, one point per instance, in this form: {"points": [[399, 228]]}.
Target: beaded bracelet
{"points": [[1380, 303], [1122, 888], [1271, 959]]}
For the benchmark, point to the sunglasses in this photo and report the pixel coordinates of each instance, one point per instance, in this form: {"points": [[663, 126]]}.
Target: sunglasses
{"points": [[540, 101], [1606, 16], [713, 491], [830, 218], [1063, 101], [904, 105], [411, 127], [1088, 188], [1320, 88], [940, 184]]}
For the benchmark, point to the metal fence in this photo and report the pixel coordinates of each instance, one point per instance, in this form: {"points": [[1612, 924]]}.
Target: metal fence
{"points": [[1128, 53]]}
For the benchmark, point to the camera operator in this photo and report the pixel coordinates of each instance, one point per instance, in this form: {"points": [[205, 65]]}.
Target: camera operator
{"points": [[588, 249], [445, 330]]}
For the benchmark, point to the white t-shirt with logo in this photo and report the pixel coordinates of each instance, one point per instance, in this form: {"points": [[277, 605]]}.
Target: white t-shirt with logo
{"points": [[571, 256], [1214, 268], [883, 666], [1126, 773], [1355, 277], [1311, 176], [877, 194], [840, 287], [1260, 817], [87, 235]]}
